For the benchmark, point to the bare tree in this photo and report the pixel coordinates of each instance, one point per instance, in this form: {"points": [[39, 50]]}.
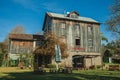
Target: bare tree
{"points": [[48, 46], [18, 30], [113, 22]]}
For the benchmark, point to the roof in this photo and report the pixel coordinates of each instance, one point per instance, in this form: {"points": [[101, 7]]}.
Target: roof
{"points": [[38, 37], [80, 18], [74, 12], [25, 36]]}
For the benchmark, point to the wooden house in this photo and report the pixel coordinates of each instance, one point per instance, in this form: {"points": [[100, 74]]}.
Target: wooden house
{"points": [[22, 44], [81, 34]]}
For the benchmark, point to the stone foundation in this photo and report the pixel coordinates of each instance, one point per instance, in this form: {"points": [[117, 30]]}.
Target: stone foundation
{"points": [[90, 59]]}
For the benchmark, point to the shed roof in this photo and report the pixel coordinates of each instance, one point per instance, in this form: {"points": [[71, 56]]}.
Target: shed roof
{"points": [[25, 36]]}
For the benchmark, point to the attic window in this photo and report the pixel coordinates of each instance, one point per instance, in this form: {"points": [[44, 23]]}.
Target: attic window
{"points": [[73, 16]]}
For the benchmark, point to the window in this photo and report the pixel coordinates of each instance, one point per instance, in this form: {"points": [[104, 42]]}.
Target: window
{"points": [[90, 42], [38, 43], [90, 30], [62, 26], [90, 36], [77, 42], [73, 16], [77, 30]]}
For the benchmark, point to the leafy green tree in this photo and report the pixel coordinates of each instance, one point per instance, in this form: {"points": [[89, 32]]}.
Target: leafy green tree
{"points": [[103, 37], [107, 53], [3, 55], [112, 48]]}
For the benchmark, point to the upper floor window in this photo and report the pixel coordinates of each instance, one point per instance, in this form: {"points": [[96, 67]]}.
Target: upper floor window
{"points": [[90, 36], [77, 30], [90, 30], [62, 26], [77, 42], [90, 42]]}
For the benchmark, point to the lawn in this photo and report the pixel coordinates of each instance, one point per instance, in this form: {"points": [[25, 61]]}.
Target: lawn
{"points": [[15, 73]]}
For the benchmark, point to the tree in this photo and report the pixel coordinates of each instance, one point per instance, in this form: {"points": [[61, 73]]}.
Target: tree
{"points": [[16, 30], [48, 46], [113, 22], [111, 49], [3, 54], [45, 53], [103, 37], [107, 53]]}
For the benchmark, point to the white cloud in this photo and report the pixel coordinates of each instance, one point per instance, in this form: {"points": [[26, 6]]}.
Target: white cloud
{"points": [[37, 5], [52, 6], [29, 4], [24, 3]]}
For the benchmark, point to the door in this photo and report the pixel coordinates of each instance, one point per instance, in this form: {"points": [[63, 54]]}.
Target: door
{"points": [[78, 61]]}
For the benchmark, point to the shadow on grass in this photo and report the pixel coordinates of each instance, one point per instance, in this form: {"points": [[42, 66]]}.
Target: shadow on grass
{"points": [[57, 76], [97, 77], [34, 76]]}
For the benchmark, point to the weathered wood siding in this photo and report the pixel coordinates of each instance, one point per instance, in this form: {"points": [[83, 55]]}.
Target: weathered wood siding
{"points": [[48, 24], [70, 37], [21, 46]]}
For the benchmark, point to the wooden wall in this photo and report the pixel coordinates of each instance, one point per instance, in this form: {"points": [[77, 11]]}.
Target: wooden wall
{"points": [[83, 34], [21, 46]]}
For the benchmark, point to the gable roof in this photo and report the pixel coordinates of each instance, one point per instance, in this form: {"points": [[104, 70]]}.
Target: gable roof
{"points": [[63, 16]]}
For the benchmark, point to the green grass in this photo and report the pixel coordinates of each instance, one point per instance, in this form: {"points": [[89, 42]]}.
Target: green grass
{"points": [[17, 74]]}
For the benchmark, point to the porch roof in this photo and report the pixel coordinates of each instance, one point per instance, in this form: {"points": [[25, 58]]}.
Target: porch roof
{"points": [[86, 54]]}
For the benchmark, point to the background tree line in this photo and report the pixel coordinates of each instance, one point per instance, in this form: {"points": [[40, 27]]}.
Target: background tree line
{"points": [[113, 25]]}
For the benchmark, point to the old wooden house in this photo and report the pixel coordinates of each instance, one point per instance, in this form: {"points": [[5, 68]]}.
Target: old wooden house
{"points": [[22, 44], [81, 34]]}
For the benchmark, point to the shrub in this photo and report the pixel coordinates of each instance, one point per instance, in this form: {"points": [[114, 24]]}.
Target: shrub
{"points": [[92, 67], [51, 66], [98, 66], [60, 66], [1, 59], [43, 66]]}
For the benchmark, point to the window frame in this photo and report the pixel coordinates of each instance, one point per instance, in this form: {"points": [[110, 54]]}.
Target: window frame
{"points": [[77, 42], [62, 28], [77, 30]]}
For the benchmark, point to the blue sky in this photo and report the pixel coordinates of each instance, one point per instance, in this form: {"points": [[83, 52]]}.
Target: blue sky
{"points": [[30, 13]]}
